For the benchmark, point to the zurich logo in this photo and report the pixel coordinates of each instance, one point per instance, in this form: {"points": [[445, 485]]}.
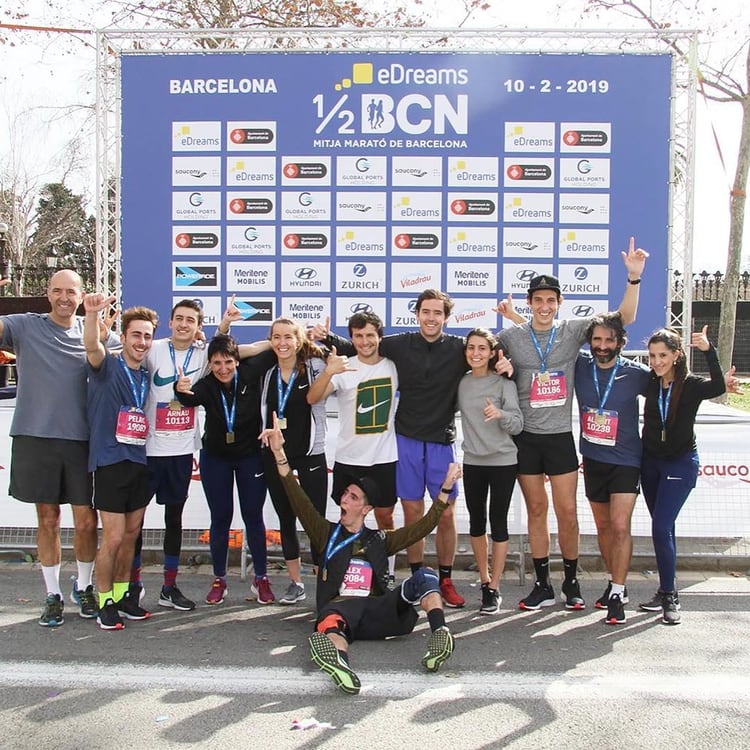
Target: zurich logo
{"points": [[360, 269], [581, 273], [305, 273], [526, 275], [412, 306]]}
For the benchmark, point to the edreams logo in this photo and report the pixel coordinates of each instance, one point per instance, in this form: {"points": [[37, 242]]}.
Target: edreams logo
{"points": [[186, 276], [364, 74]]}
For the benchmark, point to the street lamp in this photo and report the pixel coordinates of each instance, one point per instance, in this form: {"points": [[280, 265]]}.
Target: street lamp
{"points": [[52, 257]]}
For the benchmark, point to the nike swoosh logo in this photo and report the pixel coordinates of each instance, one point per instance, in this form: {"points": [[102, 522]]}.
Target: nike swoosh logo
{"points": [[257, 476], [365, 409], [679, 479], [620, 377], [301, 386], [159, 380], [314, 468]]}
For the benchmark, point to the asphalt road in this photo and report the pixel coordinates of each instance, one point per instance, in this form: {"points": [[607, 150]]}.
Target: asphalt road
{"points": [[239, 676]]}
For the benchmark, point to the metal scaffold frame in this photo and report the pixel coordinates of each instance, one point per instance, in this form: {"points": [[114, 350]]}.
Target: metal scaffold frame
{"points": [[112, 45]]}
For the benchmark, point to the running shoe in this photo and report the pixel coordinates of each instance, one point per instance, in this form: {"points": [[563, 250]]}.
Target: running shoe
{"points": [[109, 618], [490, 600], [261, 590], [217, 592], [171, 596], [603, 601], [52, 615], [540, 596], [571, 595], [451, 597], [85, 600], [328, 658], [654, 604], [670, 614], [129, 608], [615, 611], [439, 648], [294, 593]]}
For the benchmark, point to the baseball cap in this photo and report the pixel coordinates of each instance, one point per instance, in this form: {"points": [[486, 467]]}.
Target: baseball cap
{"points": [[544, 282], [368, 486]]}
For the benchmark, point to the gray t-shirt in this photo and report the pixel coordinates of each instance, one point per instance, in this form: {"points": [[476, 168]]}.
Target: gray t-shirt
{"points": [[51, 367], [518, 345]]}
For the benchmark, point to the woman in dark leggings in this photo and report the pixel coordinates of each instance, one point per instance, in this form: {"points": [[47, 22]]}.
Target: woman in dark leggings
{"points": [[669, 469], [490, 414], [284, 391]]}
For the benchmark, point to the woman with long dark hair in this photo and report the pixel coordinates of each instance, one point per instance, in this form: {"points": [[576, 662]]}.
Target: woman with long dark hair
{"points": [[670, 464]]}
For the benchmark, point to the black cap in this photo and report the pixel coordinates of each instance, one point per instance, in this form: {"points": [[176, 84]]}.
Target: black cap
{"points": [[544, 282], [368, 486]]}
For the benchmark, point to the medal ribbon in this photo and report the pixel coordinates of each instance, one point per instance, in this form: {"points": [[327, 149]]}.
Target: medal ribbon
{"points": [[662, 402], [185, 363], [283, 394], [332, 548], [139, 396], [229, 414], [543, 356], [603, 399]]}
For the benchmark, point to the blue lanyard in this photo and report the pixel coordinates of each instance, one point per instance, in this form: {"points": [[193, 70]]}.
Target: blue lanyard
{"points": [[663, 404], [538, 347], [603, 400], [332, 548], [185, 363], [229, 414], [138, 396], [283, 394]]}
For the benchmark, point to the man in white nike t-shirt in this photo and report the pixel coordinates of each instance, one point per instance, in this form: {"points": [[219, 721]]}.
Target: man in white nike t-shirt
{"points": [[366, 391]]}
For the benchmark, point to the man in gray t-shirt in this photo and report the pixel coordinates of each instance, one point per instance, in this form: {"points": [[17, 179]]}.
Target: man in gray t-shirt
{"points": [[50, 436], [543, 353]]}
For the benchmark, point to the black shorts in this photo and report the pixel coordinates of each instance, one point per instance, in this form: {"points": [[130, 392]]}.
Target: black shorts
{"points": [[373, 618], [50, 470], [546, 454], [383, 474], [169, 478], [602, 480], [122, 487]]}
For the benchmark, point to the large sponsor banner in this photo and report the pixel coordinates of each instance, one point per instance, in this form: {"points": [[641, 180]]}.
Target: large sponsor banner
{"points": [[319, 184]]}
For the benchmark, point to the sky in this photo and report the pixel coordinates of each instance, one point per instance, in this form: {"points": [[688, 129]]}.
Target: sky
{"points": [[44, 79]]}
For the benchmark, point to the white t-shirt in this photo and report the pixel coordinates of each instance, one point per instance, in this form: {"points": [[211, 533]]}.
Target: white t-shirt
{"points": [[175, 440], [367, 407]]}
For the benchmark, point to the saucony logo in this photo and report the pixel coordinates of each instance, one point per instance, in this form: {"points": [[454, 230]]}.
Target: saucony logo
{"points": [[366, 409]]}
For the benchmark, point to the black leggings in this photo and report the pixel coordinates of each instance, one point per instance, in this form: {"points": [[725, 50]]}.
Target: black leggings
{"points": [[172, 531], [499, 482], [312, 473]]}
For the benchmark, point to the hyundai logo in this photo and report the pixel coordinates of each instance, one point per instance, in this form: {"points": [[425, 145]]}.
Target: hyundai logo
{"points": [[359, 269], [583, 311], [361, 307], [526, 275], [306, 273]]}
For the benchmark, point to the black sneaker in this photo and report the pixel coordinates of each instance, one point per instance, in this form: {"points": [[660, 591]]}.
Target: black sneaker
{"points": [[540, 596], [128, 607], [327, 657], [615, 611], [490, 600], [603, 601], [654, 604], [571, 595], [85, 600], [52, 615], [173, 597], [669, 610], [109, 618]]}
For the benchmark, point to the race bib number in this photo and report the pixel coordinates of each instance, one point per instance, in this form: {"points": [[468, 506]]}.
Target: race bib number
{"points": [[599, 427], [132, 426], [168, 419], [357, 579], [548, 389]]}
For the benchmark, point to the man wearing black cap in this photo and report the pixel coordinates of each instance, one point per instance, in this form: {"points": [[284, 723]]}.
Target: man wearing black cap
{"points": [[543, 353], [353, 599]]}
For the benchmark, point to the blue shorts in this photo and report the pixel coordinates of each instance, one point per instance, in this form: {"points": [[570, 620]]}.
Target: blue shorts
{"points": [[422, 466], [169, 478]]}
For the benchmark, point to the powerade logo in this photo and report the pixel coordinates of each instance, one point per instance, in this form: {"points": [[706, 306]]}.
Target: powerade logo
{"points": [[255, 311], [187, 276]]}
